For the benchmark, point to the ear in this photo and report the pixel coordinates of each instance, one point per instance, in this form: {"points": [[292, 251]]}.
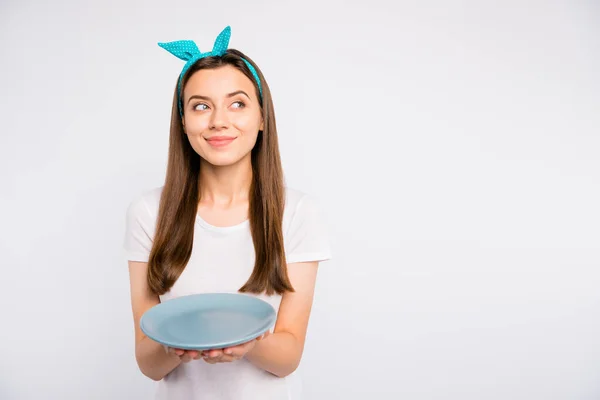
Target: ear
{"points": [[262, 125], [183, 125]]}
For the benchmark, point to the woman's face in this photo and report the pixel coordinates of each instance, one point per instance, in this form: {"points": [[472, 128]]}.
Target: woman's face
{"points": [[222, 115]]}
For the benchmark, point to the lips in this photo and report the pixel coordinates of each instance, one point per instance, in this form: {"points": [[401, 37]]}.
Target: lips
{"points": [[220, 141]]}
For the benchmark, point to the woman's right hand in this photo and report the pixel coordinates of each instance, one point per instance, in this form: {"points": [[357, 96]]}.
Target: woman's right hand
{"points": [[184, 355]]}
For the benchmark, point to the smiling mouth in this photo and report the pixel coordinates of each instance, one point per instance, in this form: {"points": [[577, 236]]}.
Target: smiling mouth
{"points": [[220, 141]]}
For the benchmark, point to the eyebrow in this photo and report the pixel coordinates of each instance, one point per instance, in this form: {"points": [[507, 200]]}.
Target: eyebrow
{"points": [[197, 96]]}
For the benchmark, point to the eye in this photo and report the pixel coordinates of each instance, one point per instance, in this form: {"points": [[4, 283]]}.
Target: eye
{"points": [[200, 107], [240, 104]]}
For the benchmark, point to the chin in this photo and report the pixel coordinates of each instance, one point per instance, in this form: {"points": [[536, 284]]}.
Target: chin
{"points": [[223, 160]]}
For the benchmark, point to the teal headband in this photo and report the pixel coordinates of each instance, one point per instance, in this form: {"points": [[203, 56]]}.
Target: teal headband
{"points": [[188, 51]]}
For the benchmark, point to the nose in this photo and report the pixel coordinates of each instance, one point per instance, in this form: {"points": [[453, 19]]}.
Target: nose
{"points": [[219, 119]]}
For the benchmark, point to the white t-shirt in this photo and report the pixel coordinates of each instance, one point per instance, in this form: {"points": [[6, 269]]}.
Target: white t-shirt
{"points": [[222, 260]]}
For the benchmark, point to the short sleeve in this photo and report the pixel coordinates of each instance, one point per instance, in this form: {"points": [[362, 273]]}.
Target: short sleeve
{"points": [[139, 231], [307, 237]]}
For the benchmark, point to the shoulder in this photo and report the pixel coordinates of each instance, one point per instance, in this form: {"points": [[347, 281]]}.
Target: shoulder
{"points": [[296, 200], [145, 205], [305, 232], [140, 224], [293, 197], [298, 206]]}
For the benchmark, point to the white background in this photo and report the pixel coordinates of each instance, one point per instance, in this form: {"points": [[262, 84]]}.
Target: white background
{"points": [[454, 147]]}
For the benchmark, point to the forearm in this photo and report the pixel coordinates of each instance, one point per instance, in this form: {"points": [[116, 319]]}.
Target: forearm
{"points": [[278, 354], [153, 360]]}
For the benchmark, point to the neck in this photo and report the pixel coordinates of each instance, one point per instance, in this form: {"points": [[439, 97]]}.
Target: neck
{"points": [[225, 185]]}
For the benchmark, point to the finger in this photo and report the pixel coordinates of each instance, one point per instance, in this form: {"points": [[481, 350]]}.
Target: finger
{"points": [[185, 358], [240, 350], [215, 353], [177, 352], [228, 351], [235, 351], [194, 354], [222, 359], [226, 359], [212, 356]]}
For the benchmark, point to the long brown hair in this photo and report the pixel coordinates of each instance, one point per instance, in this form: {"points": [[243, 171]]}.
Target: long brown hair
{"points": [[174, 237]]}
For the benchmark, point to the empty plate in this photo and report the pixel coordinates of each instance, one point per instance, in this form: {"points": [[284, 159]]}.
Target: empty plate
{"points": [[208, 320]]}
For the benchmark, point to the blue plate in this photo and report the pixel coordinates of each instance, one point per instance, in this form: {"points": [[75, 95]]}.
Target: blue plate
{"points": [[208, 320]]}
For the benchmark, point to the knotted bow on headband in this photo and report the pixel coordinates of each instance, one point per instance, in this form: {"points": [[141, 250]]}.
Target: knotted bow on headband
{"points": [[188, 51]]}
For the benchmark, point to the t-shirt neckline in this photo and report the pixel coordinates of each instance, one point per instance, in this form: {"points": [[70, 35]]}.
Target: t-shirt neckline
{"points": [[223, 229]]}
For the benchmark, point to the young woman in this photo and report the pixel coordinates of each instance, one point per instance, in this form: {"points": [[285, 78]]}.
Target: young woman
{"points": [[224, 222]]}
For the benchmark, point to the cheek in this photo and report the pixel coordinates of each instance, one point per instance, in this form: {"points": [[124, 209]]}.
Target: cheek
{"points": [[195, 126], [246, 124]]}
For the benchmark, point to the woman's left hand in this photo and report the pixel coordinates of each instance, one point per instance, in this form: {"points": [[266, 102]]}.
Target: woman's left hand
{"points": [[230, 354]]}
